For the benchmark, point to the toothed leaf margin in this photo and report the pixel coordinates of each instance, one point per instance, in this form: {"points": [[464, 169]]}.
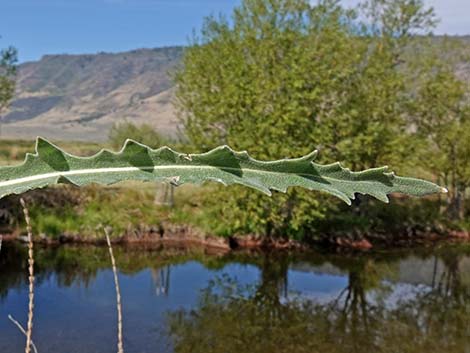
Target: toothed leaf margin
{"points": [[51, 165]]}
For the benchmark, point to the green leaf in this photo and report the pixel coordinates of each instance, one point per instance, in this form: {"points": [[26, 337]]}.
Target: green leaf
{"points": [[50, 165]]}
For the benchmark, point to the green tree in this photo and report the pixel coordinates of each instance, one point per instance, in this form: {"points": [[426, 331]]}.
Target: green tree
{"points": [[8, 59], [285, 77], [442, 116]]}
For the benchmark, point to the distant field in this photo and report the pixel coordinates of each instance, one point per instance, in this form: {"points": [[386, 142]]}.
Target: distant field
{"points": [[18, 131], [14, 151]]}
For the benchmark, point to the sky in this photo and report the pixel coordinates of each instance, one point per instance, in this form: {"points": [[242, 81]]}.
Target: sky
{"points": [[39, 27]]}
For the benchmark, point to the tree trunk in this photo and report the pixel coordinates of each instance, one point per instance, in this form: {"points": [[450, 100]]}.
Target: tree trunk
{"points": [[457, 202], [462, 192]]}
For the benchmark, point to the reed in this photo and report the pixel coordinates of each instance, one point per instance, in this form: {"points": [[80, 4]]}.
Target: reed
{"points": [[120, 345], [29, 331], [17, 324]]}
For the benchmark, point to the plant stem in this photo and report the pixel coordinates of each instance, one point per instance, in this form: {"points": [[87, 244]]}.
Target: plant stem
{"points": [[30, 278], [22, 330], [118, 294]]}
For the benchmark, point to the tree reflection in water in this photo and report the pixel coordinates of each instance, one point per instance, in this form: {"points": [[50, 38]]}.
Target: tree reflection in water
{"points": [[373, 313], [161, 280], [403, 303]]}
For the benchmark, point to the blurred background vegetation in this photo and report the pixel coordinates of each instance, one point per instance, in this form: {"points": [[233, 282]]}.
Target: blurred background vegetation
{"points": [[368, 87]]}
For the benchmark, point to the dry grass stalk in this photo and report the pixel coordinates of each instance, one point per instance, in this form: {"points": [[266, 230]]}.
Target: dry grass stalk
{"points": [[23, 331], [1, 241], [29, 331], [118, 294]]}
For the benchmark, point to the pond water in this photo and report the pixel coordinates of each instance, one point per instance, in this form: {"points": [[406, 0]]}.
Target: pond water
{"points": [[180, 300]]}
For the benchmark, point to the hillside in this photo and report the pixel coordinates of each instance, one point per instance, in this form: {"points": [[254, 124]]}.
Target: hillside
{"points": [[79, 97]]}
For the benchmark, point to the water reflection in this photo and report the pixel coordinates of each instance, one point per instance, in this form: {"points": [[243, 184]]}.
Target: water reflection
{"points": [[180, 300], [377, 311], [161, 280]]}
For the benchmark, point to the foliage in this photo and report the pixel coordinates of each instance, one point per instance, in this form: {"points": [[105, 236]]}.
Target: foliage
{"points": [[86, 211], [8, 58], [442, 117], [144, 133], [284, 77], [50, 165]]}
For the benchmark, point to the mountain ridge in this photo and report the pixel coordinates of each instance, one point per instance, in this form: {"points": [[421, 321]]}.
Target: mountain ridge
{"points": [[80, 96]]}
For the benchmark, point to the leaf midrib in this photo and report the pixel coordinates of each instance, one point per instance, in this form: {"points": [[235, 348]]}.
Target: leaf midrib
{"points": [[92, 171]]}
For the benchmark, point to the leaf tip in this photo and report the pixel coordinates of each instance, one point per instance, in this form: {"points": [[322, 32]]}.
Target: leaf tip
{"points": [[444, 190], [130, 142], [313, 155], [225, 148]]}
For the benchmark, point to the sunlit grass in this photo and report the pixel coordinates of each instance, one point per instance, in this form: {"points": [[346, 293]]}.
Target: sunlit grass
{"points": [[14, 151]]}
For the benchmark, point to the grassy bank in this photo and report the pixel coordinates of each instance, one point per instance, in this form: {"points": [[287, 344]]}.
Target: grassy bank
{"points": [[135, 209], [127, 208]]}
